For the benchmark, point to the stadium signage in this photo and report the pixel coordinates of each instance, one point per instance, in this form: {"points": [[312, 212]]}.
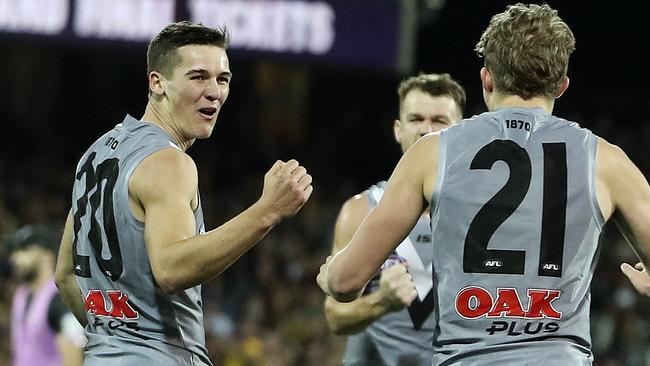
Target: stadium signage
{"points": [[334, 31]]}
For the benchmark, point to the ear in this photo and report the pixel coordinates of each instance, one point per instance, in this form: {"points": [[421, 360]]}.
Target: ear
{"points": [[397, 130], [486, 80], [563, 87], [156, 83]]}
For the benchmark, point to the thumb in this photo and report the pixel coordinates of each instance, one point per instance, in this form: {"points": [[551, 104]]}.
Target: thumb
{"points": [[628, 270]]}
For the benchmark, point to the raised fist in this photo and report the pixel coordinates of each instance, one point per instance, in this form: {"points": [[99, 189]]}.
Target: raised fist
{"points": [[287, 187], [396, 287]]}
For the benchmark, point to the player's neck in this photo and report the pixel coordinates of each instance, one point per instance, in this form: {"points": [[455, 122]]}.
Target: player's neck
{"points": [[514, 101], [166, 122]]}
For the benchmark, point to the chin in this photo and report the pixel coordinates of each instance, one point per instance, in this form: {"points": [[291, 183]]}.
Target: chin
{"points": [[204, 134]]}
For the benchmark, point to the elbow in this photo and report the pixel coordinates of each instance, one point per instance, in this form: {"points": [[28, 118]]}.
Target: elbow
{"points": [[346, 288], [168, 282], [59, 282], [61, 278], [169, 286], [167, 275]]}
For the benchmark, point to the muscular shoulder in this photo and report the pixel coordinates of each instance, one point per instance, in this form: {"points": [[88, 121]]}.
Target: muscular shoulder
{"points": [[421, 162], [166, 171], [612, 163], [353, 211], [428, 144], [355, 206]]}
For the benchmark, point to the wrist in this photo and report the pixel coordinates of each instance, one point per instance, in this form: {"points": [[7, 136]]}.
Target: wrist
{"points": [[379, 302], [267, 217], [389, 301]]}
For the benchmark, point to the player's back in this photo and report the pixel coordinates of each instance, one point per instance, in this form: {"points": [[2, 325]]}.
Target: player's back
{"points": [[131, 321], [515, 224]]}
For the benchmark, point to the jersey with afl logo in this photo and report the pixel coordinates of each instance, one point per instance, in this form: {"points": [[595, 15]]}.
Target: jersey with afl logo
{"points": [[403, 337], [130, 319], [516, 225]]}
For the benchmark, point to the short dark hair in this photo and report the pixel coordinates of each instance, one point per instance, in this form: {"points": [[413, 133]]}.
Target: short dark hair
{"points": [[434, 84], [161, 53], [527, 49]]}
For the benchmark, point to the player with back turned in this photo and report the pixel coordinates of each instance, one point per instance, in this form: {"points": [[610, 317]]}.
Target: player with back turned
{"points": [[518, 201]]}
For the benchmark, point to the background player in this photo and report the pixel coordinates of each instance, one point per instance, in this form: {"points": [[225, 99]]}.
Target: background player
{"points": [[518, 201], [388, 330]]}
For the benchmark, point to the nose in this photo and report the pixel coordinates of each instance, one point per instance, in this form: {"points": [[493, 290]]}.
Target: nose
{"points": [[214, 91], [427, 126]]}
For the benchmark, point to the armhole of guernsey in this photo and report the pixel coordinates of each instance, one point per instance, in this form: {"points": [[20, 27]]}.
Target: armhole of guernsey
{"points": [[132, 163], [440, 176], [592, 148], [374, 194]]}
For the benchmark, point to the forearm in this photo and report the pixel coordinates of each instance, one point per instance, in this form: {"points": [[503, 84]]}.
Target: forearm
{"points": [[353, 317], [72, 297], [65, 277], [351, 269], [71, 355], [639, 241], [202, 257]]}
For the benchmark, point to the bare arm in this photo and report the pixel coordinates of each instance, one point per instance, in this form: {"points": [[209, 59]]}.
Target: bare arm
{"points": [[352, 317], [165, 184], [64, 275], [626, 197], [71, 354], [345, 275]]}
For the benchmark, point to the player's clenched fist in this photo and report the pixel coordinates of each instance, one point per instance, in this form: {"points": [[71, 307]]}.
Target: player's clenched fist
{"points": [[287, 187], [397, 287]]}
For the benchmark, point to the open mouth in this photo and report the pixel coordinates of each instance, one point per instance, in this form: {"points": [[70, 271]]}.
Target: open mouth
{"points": [[208, 112]]}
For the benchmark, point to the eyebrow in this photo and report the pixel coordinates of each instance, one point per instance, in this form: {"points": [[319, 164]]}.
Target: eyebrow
{"points": [[415, 115], [204, 71], [433, 117]]}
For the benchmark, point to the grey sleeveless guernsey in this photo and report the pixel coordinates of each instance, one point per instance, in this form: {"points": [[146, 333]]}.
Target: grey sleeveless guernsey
{"points": [[403, 337], [515, 224], [130, 320]]}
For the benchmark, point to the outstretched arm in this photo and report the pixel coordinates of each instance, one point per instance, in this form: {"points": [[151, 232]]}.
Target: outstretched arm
{"points": [[352, 317], [165, 185], [345, 275]]}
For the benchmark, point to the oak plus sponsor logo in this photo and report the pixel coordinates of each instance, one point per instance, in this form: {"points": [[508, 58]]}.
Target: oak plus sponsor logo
{"points": [[474, 302], [114, 304]]}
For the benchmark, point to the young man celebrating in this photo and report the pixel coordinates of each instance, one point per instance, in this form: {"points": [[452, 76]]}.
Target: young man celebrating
{"points": [[135, 252]]}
